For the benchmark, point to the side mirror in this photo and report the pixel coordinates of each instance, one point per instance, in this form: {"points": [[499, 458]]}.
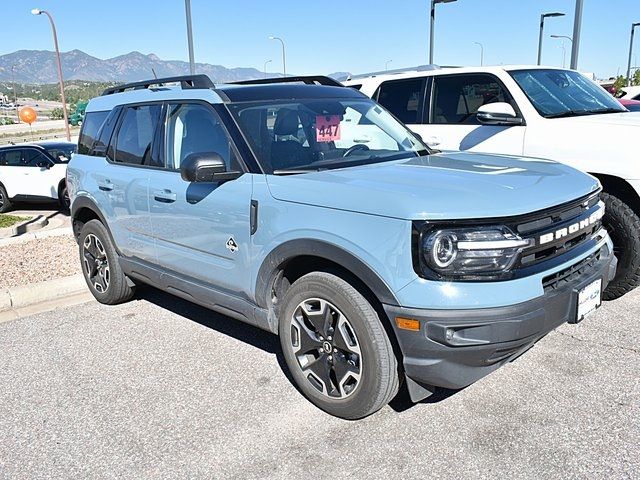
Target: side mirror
{"points": [[499, 113], [207, 167], [44, 164]]}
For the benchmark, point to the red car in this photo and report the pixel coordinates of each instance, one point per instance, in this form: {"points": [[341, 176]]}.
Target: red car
{"points": [[631, 105]]}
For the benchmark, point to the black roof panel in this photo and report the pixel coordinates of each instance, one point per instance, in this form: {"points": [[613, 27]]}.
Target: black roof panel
{"points": [[284, 91]]}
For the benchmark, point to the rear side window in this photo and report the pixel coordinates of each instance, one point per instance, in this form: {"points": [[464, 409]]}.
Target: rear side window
{"points": [[12, 158], [456, 98], [403, 98], [135, 136], [90, 127]]}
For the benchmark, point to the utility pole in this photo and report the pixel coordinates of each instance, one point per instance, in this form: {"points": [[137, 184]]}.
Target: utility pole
{"points": [[633, 28], [577, 25], [192, 63]]}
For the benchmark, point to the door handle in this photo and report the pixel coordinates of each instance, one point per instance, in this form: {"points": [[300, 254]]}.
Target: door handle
{"points": [[105, 185], [164, 196], [361, 140]]}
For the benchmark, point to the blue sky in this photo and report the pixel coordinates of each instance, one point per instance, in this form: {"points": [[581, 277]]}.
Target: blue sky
{"points": [[327, 36]]}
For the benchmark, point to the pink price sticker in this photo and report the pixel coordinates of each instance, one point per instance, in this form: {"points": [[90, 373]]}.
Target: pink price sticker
{"points": [[327, 128]]}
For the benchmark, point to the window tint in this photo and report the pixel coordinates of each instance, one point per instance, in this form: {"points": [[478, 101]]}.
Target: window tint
{"points": [[61, 154], [403, 98], [135, 136], [193, 128], [12, 158], [34, 158], [90, 126], [456, 98]]}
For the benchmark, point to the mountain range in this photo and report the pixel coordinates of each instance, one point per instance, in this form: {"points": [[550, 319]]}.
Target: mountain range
{"points": [[39, 67]]}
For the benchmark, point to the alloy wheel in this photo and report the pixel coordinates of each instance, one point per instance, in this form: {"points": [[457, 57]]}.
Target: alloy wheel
{"points": [[96, 263], [326, 348]]}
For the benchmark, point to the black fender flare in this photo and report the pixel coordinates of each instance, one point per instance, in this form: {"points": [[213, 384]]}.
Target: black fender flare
{"points": [[82, 202], [327, 251]]}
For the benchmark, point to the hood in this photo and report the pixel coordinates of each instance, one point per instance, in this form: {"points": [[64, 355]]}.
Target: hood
{"points": [[631, 119], [448, 186]]}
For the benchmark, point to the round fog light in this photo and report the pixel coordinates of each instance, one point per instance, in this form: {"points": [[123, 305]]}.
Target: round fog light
{"points": [[444, 250]]}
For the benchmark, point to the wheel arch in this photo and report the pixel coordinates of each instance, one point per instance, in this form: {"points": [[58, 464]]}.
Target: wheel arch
{"points": [[620, 188], [83, 210]]}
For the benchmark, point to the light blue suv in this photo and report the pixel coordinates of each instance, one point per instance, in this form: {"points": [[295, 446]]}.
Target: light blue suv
{"points": [[306, 209]]}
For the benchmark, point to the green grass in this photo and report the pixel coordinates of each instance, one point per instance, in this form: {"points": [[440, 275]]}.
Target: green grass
{"points": [[10, 220]]}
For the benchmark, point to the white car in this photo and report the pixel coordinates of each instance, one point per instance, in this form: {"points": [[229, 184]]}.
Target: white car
{"points": [[34, 173], [629, 93], [531, 111]]}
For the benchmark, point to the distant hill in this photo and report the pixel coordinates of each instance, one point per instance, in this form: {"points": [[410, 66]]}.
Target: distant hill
{"points": [[39, 67]]}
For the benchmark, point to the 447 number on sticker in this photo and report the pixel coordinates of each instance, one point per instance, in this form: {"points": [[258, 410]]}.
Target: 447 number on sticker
{"points": [[327, 128]]}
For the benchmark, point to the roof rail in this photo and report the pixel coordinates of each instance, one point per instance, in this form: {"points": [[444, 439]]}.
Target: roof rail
{"points": [[419, 68], [186, 81], [308, 79]]}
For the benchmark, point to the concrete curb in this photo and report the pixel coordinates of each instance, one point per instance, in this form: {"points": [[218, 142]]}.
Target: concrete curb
{"points": [[55, 232], [28, 295], [30, 225]]}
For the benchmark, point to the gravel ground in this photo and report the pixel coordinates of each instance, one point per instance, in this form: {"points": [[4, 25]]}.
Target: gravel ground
{"points": [[38, 260], [160, 388]]}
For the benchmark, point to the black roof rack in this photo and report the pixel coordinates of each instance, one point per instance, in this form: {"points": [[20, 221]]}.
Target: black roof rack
{"points": [[186, 81], [309, 80]]}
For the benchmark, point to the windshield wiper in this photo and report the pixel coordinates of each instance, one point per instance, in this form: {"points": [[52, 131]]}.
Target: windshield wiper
{"points": [[296, 171], [606, 110], [569, 113]]}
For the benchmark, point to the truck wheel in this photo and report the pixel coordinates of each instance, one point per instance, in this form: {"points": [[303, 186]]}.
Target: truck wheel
{"points": [[623, 226], [5, 203], [100, 265], [336, 347]]}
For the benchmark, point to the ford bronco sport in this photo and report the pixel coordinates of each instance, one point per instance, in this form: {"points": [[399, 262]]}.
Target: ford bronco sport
{"points": [[306, 209]]}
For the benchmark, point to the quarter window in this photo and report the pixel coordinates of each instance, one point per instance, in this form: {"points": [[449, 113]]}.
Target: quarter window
{"points": [[135, 136], [90, 127], [12, 158], [194, 128], [456, 98], [403, 98]]}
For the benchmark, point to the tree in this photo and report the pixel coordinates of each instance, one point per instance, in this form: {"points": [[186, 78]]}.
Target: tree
{"points": [[635, 80], [56, 114], [620, 83]]}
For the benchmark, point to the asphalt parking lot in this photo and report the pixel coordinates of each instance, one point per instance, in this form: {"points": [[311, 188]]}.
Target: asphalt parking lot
{"points": [[161, 388]]}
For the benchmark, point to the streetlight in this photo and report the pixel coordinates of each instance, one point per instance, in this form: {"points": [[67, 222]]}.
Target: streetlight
{"points": [[433, 24], [542, 17], [37, 11], [564, 49], [192, 63], [284, 63], [633, 27], [386, 64], [265, 67], [481, 52]]}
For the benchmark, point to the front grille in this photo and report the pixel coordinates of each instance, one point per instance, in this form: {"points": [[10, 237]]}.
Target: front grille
{"points": [[569, 274], [560, 230]]}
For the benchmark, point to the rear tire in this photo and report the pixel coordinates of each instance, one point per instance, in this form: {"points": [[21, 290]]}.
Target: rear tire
{"points": [[336, 347], [100, 265], [623, 226], [5, 203], [63, 197]]}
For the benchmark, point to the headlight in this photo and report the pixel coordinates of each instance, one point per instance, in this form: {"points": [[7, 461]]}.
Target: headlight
{"points": [[470, 253]]}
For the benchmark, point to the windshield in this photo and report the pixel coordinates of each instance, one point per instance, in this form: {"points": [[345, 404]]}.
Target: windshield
{"points": [[564, 93], [61, 154], [292, 136]]}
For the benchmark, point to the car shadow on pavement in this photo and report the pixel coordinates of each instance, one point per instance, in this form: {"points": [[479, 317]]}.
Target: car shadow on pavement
{"points": [[402, 401], [231, 327]]}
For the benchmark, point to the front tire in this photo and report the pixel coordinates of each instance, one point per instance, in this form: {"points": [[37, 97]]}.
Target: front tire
{"points": [[336, 347], [623, 226], [100, 266], [5, 203], [63, 198]]}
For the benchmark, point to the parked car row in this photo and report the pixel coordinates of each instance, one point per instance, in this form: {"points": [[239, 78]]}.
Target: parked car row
{"points": [[307, 209]]}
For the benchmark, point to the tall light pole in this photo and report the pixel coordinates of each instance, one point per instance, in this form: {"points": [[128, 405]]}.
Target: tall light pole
{"points": [[542, 17], [192, 62], [433, 24], [562, 36], [481, 52], [37, 11], [633, 28], [284, 62], [577, 25], [564, 49], [265, 67], [386, 64]]}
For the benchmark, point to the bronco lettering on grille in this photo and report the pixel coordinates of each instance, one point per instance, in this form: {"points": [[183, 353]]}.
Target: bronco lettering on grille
{"points": [[573, 228]]}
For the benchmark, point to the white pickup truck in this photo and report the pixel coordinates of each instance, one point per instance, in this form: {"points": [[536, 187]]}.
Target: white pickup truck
{"points": [[532, 111]]}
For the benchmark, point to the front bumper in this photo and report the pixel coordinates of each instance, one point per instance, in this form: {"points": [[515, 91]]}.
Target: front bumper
{"points": [[454, 348]]}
